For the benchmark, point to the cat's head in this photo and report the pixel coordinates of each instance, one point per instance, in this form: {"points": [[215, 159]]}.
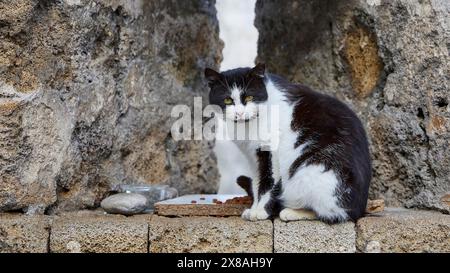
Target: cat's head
{"points": [[238, 91]]}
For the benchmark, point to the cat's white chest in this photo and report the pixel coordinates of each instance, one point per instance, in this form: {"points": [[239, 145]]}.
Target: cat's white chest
{"points": [[285, 152]]}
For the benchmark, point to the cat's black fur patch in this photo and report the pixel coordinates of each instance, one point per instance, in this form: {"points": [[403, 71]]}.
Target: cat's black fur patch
{"points": [[265, 171], [275, 205]]}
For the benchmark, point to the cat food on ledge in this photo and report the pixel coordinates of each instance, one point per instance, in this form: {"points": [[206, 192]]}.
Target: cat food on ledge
{"points": [[244, 200], [204, 205]]}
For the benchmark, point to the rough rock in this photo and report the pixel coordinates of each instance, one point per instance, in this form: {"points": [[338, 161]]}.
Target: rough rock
{"points": [[86, 92], [124, 203], [20, 234], [209, 234], [313, 236], [400, 230], [389, 60], [374, 206], [93, 233]]}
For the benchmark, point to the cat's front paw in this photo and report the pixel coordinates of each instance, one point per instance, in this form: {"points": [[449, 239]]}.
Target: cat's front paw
{"points": [[287, 215], [255, 214]]}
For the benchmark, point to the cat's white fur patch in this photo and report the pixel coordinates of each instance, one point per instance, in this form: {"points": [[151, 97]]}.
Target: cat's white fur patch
{"points": [[236, 95], [257, 211], [284, 155], [289, 214], [238, 111], [313, 187], [255, 214]]}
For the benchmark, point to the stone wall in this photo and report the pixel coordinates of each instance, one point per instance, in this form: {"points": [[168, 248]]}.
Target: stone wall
{"points": [[390, 61], [86, 90]]}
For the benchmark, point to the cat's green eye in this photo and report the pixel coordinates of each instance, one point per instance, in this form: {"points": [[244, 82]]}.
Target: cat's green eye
{"points": [[228, 101], [248, 98]]}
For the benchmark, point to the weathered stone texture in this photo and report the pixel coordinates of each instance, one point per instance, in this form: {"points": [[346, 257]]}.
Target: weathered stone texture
{"points": [[209, 234], [92, 233], [20, 233], [400, 230], [389, 60], [313, 236], [394, 230], [86, 90]]}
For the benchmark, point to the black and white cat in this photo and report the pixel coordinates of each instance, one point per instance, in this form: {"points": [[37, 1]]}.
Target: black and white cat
{"points": [[321, 167]]}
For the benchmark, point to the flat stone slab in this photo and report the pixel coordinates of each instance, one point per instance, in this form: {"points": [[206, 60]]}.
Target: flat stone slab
{"points": [[21, 233], [402, 230], [313, 236], [209, 234], [201, 205], [99, 234]]}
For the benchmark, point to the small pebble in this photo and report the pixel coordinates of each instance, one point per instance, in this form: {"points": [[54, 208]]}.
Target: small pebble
{"points": [[125, 203]]}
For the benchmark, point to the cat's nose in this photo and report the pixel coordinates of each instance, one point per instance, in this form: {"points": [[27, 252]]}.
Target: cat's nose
{"points": [[239, 115]]}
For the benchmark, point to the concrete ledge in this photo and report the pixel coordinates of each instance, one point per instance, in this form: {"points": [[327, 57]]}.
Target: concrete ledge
{"points": [[313, 236], [21, 233], [402, 230], [99, 234], [209, 234], [395, 230]]}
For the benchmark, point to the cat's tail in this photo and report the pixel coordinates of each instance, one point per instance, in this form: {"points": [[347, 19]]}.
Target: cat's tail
{"points": [[245, 182]]}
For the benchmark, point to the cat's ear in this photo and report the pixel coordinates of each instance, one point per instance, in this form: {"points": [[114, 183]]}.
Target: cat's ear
{"points": [[259, 70], [211, 75]]}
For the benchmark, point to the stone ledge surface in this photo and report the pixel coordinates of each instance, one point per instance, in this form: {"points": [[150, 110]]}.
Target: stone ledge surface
{"points": [[21, 233], [402, 230], [395, 230], [313, 236], [209, 234], [98, 233]]}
